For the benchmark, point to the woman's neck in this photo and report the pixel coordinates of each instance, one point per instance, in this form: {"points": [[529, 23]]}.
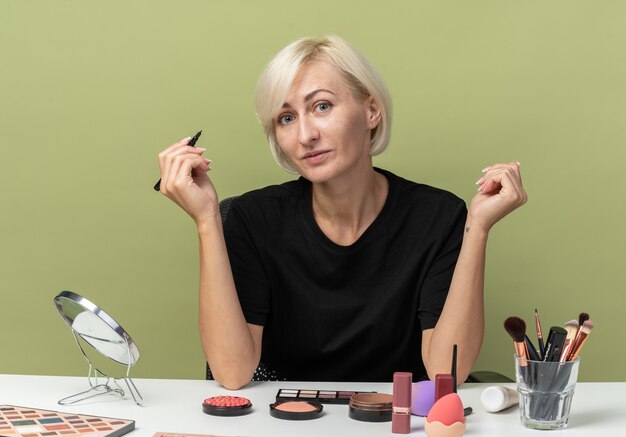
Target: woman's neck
{"points": [[344, 210]]}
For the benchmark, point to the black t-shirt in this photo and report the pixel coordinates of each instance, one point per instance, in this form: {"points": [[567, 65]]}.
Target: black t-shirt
{"points": [[344, 313]]}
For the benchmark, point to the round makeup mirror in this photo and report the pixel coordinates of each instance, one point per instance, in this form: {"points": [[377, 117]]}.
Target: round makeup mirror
{"points": [[96, 328]]}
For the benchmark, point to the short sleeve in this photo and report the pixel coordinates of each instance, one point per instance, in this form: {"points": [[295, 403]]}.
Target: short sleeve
{"points": [[439, 277], [245, 259]]}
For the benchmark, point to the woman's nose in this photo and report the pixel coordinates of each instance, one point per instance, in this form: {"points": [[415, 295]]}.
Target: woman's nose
{"points": [[308, 132]]}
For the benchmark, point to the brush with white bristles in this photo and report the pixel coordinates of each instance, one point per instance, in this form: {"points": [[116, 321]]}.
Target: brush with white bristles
{"points": [[572, 329], [581, 338]]}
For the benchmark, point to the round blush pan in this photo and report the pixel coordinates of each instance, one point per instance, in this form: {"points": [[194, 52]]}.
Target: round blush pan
{"points": [[296, 410], [226, 406]]}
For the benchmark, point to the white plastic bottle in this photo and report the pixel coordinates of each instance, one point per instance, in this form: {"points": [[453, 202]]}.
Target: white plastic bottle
{"points": [[496, 398]]}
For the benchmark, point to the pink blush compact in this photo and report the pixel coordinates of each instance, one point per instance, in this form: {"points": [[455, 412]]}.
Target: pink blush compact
{"points": [[226, 406], [296, 410]]}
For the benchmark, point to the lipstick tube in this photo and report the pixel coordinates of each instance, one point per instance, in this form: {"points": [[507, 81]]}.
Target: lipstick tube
{"points": [[401, 407], [444, 385]]}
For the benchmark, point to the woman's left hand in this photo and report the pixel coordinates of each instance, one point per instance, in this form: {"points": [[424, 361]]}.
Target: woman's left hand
{"points": [[500, 192]]}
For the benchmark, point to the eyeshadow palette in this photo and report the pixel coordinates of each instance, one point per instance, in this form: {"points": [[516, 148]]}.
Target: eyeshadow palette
{"points": [[32, 422], [321, 396]]}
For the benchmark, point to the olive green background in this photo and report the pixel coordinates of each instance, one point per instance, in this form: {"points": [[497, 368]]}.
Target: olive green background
{"points": [[91, 91]]}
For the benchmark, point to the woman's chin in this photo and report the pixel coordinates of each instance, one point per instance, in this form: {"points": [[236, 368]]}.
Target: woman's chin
{"points": [[318, 174]]}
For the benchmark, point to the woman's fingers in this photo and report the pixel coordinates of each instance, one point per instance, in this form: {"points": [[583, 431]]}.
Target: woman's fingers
{"points": [[166, 160], [184, 179], [507, 185], [163, 156], [182, 168], [189, 186], [491, 180], [500, 192], [167, 156]]}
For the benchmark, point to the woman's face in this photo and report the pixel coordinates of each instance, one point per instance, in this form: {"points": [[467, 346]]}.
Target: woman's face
{"points": [[323, 130]]}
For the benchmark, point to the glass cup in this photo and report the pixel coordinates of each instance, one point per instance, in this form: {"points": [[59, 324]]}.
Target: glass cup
{"points": [[546, 390]]}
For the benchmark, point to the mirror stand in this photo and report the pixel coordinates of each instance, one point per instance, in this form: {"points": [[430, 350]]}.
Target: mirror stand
{"points": [[103, 388]]}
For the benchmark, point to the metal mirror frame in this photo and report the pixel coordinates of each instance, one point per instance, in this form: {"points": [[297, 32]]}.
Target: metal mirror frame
{"points": [[99, 388]]}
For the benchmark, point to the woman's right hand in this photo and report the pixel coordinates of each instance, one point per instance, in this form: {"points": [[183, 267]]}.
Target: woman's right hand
{"points": [[184, 179]]}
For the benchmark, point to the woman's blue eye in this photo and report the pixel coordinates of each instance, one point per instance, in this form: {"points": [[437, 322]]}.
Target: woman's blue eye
{"points": [[324, 106], [285, 119]]}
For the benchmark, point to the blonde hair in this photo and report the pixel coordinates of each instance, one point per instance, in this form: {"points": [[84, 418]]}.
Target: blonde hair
{"points": [[280, 73]]}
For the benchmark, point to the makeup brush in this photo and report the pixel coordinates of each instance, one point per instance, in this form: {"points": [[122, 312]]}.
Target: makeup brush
{"points": [[533, 354], [542, 348], [572, 329], [516, 328], [581, 338], [582, 318]]}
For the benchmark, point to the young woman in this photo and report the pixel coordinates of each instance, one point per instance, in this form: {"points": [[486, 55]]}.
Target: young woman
{"points": [[349, 272]]}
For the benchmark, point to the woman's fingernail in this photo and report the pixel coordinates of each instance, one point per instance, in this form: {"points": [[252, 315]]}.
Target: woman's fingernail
{"points": [[479, 181], [208, 161], [201, 149], [485, 169], [186, 139]]}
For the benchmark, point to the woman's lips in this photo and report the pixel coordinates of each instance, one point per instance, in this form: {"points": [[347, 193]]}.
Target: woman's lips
{"points": [[316, 157]]}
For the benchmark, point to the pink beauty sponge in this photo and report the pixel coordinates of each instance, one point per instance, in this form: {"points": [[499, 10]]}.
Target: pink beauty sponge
{"points": [[446, 418]]}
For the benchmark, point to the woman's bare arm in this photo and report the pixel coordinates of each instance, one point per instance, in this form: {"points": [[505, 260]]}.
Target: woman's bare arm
{"points": [[232, 346], [462, 319]]}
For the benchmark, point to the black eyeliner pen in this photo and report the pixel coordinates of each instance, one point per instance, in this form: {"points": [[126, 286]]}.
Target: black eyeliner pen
{"points": [[192, 142]]}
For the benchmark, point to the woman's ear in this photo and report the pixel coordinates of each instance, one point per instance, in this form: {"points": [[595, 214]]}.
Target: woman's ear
{"points": [[373, 113]]}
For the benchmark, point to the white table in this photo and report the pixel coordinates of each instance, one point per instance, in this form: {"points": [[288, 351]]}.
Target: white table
{"points": [[599, 409]]}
